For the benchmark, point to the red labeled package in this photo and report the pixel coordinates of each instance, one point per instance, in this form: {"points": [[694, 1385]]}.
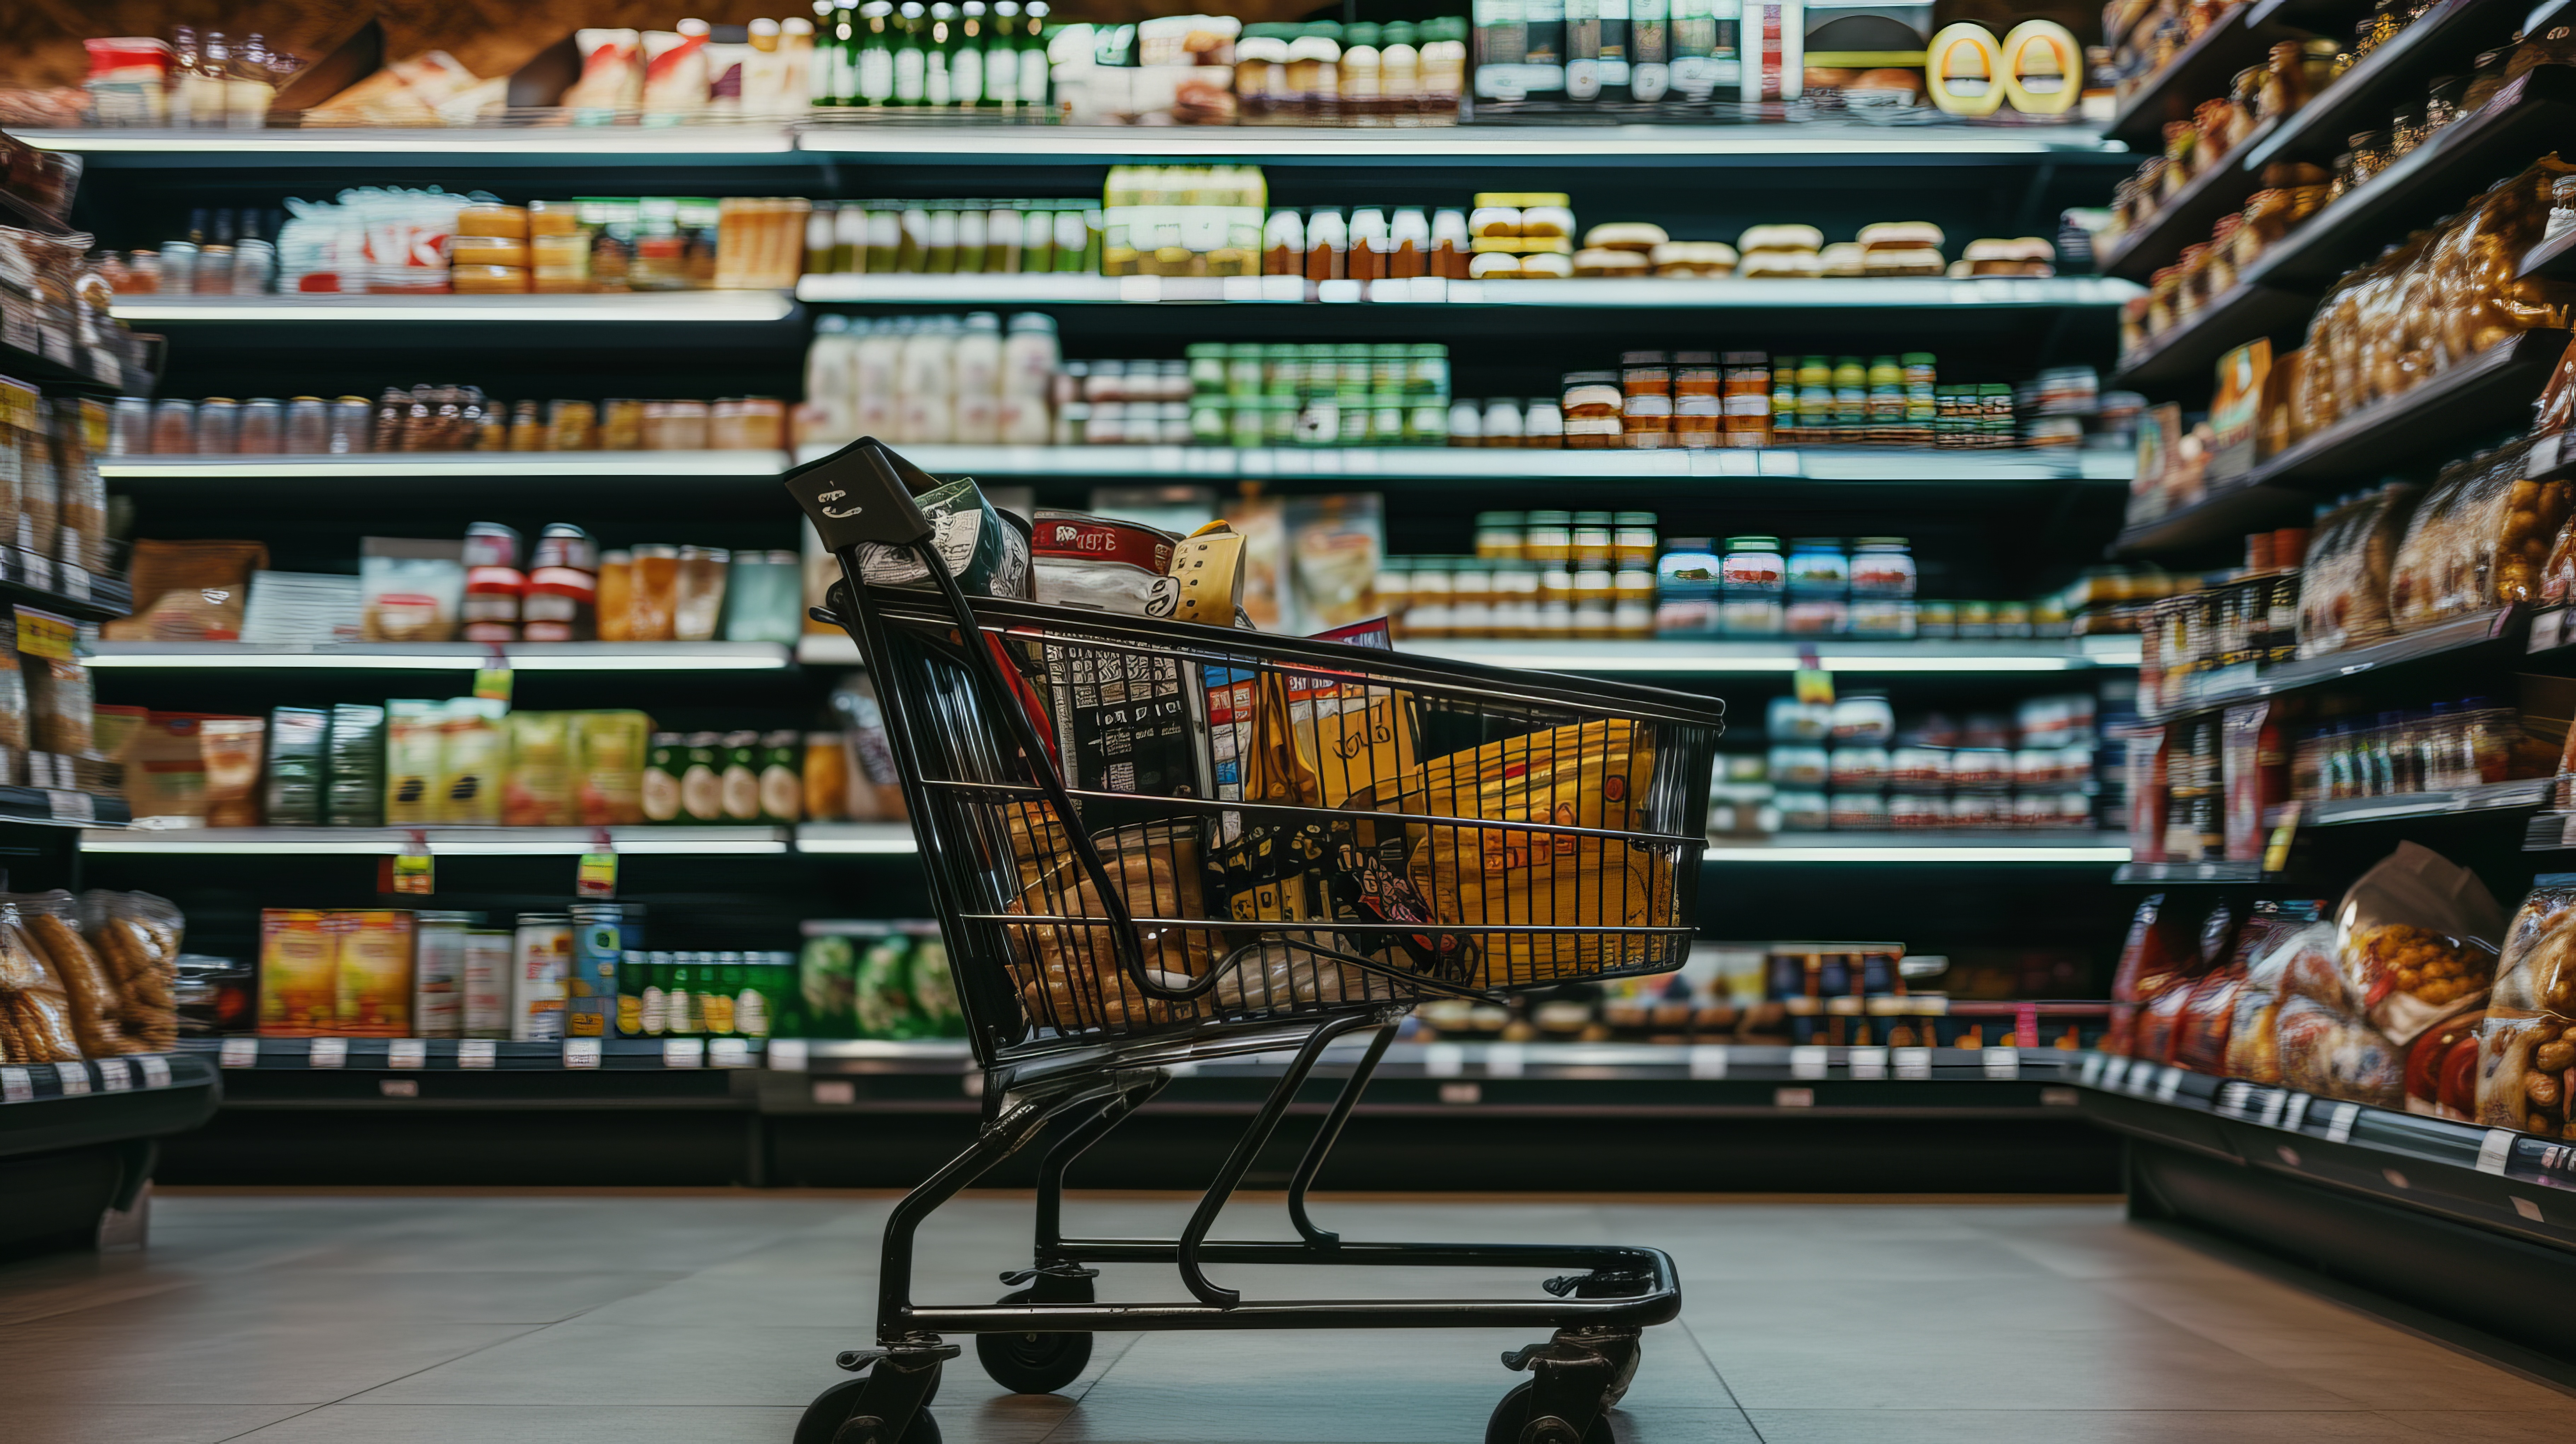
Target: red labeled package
{"points": [[2150, 960], [2209, 1011]]}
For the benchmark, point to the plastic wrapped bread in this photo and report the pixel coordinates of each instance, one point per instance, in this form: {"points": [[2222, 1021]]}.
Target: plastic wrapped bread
{"points": [[2343, 595], [2478, 541]]}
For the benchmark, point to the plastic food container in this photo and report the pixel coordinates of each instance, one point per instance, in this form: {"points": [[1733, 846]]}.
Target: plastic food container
{"points": [[1863, 719], [1787, 719], [1798, 765]]}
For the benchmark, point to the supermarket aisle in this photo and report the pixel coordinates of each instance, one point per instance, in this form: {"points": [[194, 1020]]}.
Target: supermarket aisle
{"points": [[710, 1319]]}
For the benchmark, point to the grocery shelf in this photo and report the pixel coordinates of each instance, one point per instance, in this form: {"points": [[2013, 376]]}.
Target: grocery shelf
{"points": [[2513, 796], [431, 464], [445, 656], [2554, 258], [356, 145], [855, 837], [453, 841], [1503, 145], [2527, 118], [2185, 218], [632, 307], [31, 580], [2221, 517], [1676, 658], [2551, 831], [2497, 1179], [495, 1054], [2391, 76], [2226, 686], [2064, 847], [53, 807], [2184, 360], [2196, 73], [2157, 873], [46, 1107], [1759, 294], [1481, 464], [1686, 658]]}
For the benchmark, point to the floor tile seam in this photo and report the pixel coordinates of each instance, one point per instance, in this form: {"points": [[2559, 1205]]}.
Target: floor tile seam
{"points": [[441, 1363], [255, 1428], [1097, 1377], [1720, 1375]]}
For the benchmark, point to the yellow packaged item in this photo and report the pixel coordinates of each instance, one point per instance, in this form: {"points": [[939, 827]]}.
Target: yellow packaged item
{"points": [[609, 751], [372, 977]]}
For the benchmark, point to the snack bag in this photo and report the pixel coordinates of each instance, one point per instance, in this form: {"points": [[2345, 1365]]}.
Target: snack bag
{"points": [[1068, 974], [36, 1015], [2414, 939], [2479, 540], [2526, 1058], [2150, 962], [2442, 1069], [2343, 594], [89, 988], [2298, 960], [2335, 1055], [137, 937]]}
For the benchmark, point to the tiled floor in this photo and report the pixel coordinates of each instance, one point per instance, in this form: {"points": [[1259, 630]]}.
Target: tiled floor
{"points": [[708, 1319]]}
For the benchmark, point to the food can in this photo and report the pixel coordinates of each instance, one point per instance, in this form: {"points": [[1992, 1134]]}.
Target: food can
{"points": [[541, 953], [488, 990], [438, 973], [590, 989]]}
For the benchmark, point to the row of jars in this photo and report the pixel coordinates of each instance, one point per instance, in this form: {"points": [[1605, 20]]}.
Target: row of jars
{"points": [[1806, 811], [1463, 597], [1815, 588], [448, 418], [1924, 769]]}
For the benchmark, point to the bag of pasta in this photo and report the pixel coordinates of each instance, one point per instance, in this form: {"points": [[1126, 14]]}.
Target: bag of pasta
{"points": [[2343, 594], [2477, 542], [1064, 960], [136, 935], [2416, 938]]}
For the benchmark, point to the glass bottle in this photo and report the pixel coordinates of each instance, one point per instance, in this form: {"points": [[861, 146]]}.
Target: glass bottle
{"points": [[938, 47], [911, 66], [249, 86], [873, 76], [1002, 56], [966, 61], [1033, 54]]}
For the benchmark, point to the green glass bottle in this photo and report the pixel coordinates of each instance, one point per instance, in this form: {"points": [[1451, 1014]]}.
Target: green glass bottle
{"points": [[911, 64], [835, 30], [966, 61], [681, 1007], [873, 74], [1033, 54], [938, 47], [719, 980], [1002, 56]]}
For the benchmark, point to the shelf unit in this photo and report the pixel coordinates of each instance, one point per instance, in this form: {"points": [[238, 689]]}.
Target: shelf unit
{"points": [[2445, 36], [444, 656], [439, 465], [1480, 465], [2184, 359], [1678, 658], [2496, 633], [674, 841], [662, 307], [1759, 294], [78, 1140]]}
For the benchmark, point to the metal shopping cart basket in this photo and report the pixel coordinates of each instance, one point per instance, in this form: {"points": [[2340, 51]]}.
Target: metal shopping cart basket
{"points": [[1152, 843]]}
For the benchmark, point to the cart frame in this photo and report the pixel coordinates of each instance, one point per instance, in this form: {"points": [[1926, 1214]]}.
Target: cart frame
{"points": [[1076, 1089]]}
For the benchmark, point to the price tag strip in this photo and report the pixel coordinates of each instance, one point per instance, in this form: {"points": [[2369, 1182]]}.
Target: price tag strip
{"points": [[113, 1076], [407, 1053], [475, 1053], [581, 1052], [240, 1053], [74, 1078], [156, 1070], [728, 1052], [684, 1053], [788, 1055], [329, 1053], [1708, 1060], [1869, 1062], [16, 1086]]}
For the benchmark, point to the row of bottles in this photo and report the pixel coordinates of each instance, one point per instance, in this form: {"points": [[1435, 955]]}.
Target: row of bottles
{"points": [[966, 55], [215, 85]]}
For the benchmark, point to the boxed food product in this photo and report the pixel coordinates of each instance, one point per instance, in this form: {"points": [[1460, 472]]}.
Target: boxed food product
{"points": [[473, 757], [298, 973], [298, 745], [2343, 591], [608, 758], [413, 590], [231, 747], [372, 980], [538, 792], [2478, 540], [356, 796], [413, 766]]}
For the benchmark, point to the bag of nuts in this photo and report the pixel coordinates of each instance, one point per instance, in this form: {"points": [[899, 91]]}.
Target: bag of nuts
{"points": [[2414, 937], [2527, 1045]]}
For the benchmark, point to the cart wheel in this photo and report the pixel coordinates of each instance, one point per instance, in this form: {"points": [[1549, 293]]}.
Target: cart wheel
{"points": [[837, 1405], [1032, 1363], [1512, 1416]]}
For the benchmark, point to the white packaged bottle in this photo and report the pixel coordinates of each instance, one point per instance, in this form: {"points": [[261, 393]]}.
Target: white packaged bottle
{"points": [[542, 957], [488, 986], [978, 363], [879, 353], [926, 383], [1030, 360], [832, 382]]}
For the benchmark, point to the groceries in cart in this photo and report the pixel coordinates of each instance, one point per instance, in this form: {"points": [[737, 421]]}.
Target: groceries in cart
{"points": [[1290, 827]]}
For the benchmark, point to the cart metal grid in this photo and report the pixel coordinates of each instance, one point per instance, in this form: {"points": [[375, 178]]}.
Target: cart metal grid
{"points": [[1153, 842]]}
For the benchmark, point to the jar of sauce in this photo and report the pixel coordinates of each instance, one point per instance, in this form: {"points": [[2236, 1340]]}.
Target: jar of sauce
{"points": [[1592, 402], [1686, 589], [1753, 585]]}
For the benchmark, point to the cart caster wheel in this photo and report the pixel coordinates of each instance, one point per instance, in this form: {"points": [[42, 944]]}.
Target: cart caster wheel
{"points": [[835, 1408], [1031, 1363], [1512, 1417]]}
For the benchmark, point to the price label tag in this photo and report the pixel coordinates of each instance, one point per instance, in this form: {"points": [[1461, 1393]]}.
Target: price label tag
{"points": [[71, 806], [156, 1070], [684, 1052], [412, 870], [2494, 1149], [2276, 853], [329, 1053], [1141, 290], [597, 875], [1708, 1060], [2090, 1074], [1807, 1062], [1911, 1062], [728, 1052], [407, 1053], [789, 1055], [2339, 1126], [1443, 1060], [476, 1052], [494, 680], [16, 1086], [75, 582], [2168, 1085], [1793, 1097], [1505, 1060], [1869, 1062], [113, 1076], [240, 1053], [74, 1078], [2548, 629], [1815, 685], [2295, 1112], [43, 634], [581, 1052], [2269, 1112], [2003, 1062]]}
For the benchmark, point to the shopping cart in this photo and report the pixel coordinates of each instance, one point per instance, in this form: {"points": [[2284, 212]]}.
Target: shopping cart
{"points": [[1153, 843]]}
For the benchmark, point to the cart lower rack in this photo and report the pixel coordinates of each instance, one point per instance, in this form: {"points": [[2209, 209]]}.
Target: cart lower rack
{"points": [[1152, 843]]}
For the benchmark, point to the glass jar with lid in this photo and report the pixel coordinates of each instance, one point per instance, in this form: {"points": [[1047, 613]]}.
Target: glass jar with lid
{"points": [[1516, 600], [1427, 611], [1591, 539], [1686, 589], [1632, 600], [1863, 719], [1862, 766], [1632, 539], [1786, 719], [1856, 811], [1471, 598], [1595, 603], [1880, 617], [1802, 810], [1753, 581], [1590, 405], [1913, 811], [1817, 567], [1549, 538], [1879, 566]]}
